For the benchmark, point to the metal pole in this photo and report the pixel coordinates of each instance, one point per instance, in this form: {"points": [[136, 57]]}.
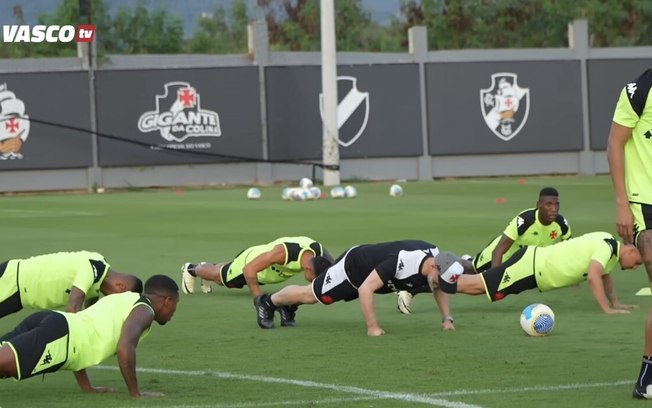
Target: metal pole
{"points": [[331, 151]]}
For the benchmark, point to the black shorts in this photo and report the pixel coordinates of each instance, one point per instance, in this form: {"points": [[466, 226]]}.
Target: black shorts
{"points": [[511, 277], [333, 285], [40, 343], [642, 217], [9, 295]]}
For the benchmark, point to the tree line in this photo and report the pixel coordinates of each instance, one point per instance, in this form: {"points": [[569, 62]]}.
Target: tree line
{"points": [[294, 25]]}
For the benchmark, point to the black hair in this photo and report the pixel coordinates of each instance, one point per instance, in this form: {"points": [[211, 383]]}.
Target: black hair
{"points": [[161, 285], [138, 285], [320, 264], [548, 191]]}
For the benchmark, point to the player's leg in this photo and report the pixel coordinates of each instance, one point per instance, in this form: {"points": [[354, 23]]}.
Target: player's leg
{"points": [[8, 365], [511, 277], [643, 222], [482, 260], [38, 345], [206, 271], [288, 299]]}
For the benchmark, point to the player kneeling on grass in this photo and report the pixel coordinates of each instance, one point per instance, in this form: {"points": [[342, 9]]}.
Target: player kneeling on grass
{"points": [[50, 341], [540, 226], [269, 263], [367, 269], [589, 257]]}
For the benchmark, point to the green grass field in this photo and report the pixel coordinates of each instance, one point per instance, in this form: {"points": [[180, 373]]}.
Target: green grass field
{"points": [[212, 354]]}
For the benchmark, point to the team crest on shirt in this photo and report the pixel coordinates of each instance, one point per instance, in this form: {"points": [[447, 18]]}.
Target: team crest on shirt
{"points": [[505, 105], [352, 110]]}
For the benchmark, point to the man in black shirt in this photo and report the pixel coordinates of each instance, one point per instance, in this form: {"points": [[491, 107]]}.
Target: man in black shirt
{"points": [[364, 270]]}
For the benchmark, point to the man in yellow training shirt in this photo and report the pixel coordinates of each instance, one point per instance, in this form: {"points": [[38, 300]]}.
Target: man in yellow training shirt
{"points": [[62, 279], [49, 341]]}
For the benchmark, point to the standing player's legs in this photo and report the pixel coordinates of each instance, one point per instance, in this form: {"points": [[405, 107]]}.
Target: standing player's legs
{"points": [[643, 223]]}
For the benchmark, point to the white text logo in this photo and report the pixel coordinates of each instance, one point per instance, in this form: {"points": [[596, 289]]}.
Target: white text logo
{"points": [[51, 34]]}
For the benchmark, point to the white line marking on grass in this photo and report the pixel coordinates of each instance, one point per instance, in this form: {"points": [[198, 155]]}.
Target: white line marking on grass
{"points": [[563, 387], [278, 403], [417, 398], [23, 213]]}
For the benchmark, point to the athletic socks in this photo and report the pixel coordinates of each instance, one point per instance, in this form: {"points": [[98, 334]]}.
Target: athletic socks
{"points": [[645, 376]]}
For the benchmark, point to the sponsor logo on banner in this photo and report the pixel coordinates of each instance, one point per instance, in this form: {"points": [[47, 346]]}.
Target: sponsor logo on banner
{"points": [[505, 105], [352, 110], [179, 116], [50, 33], [14, 124]]}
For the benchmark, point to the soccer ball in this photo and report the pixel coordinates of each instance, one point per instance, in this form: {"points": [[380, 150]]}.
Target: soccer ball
{"points": [[337, 192], [285, 194], [537, 319], [395, 190], [350, 192], [299, 194], [305, 183], [253, 193], [315, 193]]}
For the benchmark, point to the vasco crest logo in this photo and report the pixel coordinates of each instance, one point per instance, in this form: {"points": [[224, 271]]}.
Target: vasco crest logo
{"points": [[352, 110], [179, 115], [14, 124], [505, 105]]}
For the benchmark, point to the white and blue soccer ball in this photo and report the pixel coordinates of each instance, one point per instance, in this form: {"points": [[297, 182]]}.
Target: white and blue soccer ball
{"points": [[537, 320], [253, 193], [315, 193], [350, 192], [395, 190], [305, 183], [285, 193], [299, 194], [337, 192]]}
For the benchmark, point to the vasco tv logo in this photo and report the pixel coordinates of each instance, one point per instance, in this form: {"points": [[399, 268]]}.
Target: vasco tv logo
{"points": [[51, 33]]}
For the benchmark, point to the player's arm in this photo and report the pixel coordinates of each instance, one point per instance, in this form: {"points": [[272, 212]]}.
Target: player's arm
{"points": [[85, 383], [610, 291], [84, 279], [595, 280], [618, 137], [497, 254], [366, 295], [139, 320], [444, 309], [75, 300], [276, 256]]}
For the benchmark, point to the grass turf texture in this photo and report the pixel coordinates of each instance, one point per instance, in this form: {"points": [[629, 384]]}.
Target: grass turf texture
{"points": [[590, 359]]}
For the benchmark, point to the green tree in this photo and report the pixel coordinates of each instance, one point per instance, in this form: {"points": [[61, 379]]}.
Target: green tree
{"points": [[138, 30], [295, 25], [222, 33], [460, 24]]}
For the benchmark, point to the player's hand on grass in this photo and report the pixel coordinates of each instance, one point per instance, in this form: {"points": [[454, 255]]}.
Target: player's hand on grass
{"points": [[149, 394], [99, 389], [616, 311], [447, 325], [375, 331], [625, 306]]}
